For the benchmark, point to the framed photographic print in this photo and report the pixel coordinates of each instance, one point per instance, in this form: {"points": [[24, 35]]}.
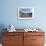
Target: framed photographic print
{"points": [[25, 13]]}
